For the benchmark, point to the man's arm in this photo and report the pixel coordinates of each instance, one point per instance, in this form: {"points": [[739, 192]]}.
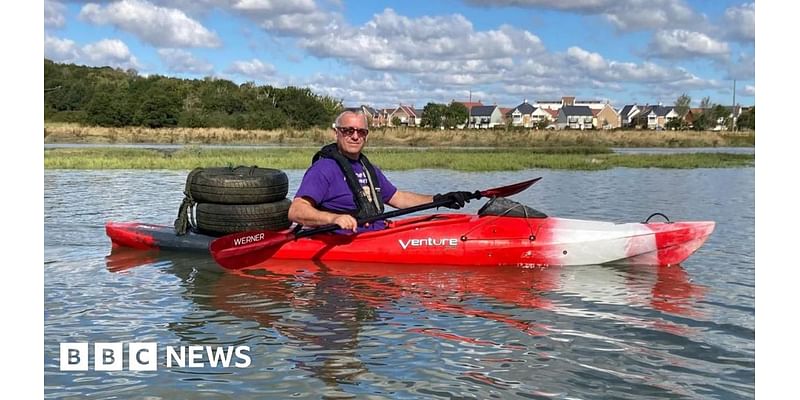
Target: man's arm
{"points": [[303, 212], [410, 199], [402, 199]]}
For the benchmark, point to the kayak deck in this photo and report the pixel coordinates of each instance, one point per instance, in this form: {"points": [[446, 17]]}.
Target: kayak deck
{"points": [[465, 239]]}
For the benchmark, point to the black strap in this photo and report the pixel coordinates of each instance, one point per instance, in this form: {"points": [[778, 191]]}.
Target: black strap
{"points": [[181, 223], [365, 207]]}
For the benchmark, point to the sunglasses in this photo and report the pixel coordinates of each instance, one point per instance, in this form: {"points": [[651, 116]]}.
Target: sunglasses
{"points": [[349, 130]]}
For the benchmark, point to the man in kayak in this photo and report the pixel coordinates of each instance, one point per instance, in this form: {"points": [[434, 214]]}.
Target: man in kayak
{"points": [[342, 186]]}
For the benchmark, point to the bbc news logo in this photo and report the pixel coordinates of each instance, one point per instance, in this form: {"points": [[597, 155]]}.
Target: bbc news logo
{"points": [[144, 356]]}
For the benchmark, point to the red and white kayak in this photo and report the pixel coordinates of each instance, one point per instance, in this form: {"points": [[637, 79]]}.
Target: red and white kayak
{"points": [[465, 239]]}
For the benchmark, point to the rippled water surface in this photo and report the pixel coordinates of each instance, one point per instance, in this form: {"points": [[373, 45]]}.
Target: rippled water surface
{"points": [[384, 331]]}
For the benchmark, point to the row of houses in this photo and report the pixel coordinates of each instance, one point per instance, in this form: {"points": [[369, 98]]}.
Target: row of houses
{"points": [[567, 113]]}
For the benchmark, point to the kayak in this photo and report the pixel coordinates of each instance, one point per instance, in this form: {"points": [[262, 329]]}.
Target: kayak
{"points": [[464, 240]]}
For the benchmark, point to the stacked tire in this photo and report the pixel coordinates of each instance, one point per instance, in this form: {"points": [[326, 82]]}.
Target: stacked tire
{"points": [[229, 200]]}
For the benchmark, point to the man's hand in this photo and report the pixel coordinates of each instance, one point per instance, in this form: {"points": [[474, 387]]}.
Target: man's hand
{"points": [[346, 222], [457, 199]]}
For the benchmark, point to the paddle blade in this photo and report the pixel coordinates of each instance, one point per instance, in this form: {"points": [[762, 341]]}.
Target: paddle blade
{"points": [[509, 190], [243, 249]]}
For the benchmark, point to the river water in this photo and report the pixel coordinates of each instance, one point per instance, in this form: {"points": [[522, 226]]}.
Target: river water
{"points": [[336, 331]]}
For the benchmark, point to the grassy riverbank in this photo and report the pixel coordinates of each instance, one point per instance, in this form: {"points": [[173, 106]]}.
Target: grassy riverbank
{"points": [[574, 158], [411, 137]]}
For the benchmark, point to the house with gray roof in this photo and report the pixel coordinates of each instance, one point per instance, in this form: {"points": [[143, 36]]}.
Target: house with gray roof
{"points": [[485, 117], [575, 117], [521, 115], [627, 114], [529, 116], [655, 117]]}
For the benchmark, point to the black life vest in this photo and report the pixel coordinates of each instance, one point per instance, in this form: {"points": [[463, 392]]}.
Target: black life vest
{"points": [[366, 208]]}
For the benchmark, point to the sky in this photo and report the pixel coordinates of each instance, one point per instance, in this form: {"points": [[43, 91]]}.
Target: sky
{"points": [[414, 52]]}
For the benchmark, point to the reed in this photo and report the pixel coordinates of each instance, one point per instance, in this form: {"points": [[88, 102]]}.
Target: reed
{"points": [[406, 137], [581, 158]]}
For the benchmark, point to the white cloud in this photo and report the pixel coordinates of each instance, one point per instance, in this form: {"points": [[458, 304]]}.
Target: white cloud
{"points": [[275, 6], [446, 46], [591, 61], [383, 90], [62, 50], [302, 24], [254, 69], [680, 43], [748, 90], [301, 18], [178, 60], [540, 91], [625, 15], [647, 72], [159, 26], [740, 22], [632, 15], [111, 52], [54, 14], [106, 52], [593, 66]]}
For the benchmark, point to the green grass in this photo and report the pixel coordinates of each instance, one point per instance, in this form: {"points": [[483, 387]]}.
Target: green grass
{"points": [[576, 158]]}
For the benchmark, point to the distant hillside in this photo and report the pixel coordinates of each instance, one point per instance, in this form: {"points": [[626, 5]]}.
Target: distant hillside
{"points": [[104, 96]]}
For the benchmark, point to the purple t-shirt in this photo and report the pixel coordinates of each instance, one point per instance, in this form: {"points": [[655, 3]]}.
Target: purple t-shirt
{"points": [[324, 182]]}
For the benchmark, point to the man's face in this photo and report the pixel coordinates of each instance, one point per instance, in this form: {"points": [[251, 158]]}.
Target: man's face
{"points": [[351, 135]]}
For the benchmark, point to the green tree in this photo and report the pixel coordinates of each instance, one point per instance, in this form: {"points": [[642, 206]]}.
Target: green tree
{"points": [[192, 119], [705, 103], [110, 97], [682, 104], [702, 121], [301, 108], [719, 116], [107, 108], [457, 114], [541, 124], [675, 123], [434, 115], [159, 110], [706, 119], [331, 107]]}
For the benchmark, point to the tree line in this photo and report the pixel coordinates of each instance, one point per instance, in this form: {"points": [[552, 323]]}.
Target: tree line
{"points": [[105, 96], [710, 115]]}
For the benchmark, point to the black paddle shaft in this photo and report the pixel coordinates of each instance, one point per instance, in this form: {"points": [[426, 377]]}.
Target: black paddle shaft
{"points": [[386, 215], [495, 192]]}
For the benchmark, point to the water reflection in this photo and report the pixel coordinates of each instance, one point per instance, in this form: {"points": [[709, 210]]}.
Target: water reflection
{"points": [[336, 298]]}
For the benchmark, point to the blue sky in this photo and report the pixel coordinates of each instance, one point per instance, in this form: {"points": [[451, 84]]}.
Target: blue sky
{"points": [[414, 52]]}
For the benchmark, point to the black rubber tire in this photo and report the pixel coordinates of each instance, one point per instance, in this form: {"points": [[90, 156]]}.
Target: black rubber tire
{"points": [[240, 185], [222, 219]]}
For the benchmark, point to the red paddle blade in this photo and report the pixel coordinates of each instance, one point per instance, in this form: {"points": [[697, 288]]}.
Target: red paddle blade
{"points": [[509, 190], [243, 249]]}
